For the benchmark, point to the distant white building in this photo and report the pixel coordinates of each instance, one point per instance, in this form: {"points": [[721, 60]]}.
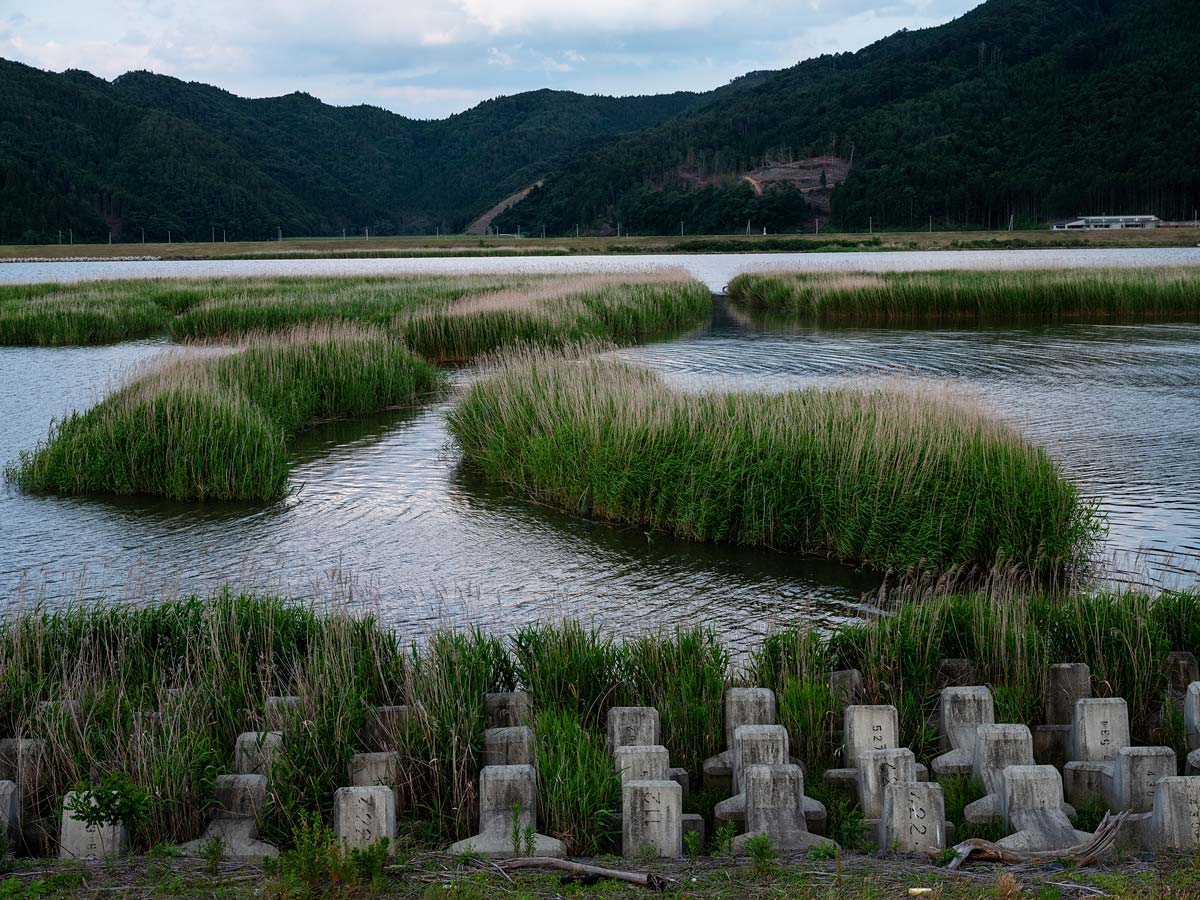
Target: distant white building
{"points": [[1096, 222]]}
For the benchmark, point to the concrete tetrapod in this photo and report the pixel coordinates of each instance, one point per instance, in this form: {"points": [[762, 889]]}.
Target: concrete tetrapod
{"points": [[914, 817], [775, 807], [1032, 808], [1099, 731], [1069, 682], [961, 710], [501, 789], [633, 725], [240, 801], [762, 745], [652, 818], [742, 706]]}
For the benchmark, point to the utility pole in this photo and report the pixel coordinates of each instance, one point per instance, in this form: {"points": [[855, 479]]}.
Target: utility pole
{"points": [[71, 235], [60, 236], [931, 224], [747, 228], [222, 235], [618, 229], [681, 227], [818, 224], [576, 230], [279, 231], [870, 224], [168, 235], [110, 237], [143, 235]]}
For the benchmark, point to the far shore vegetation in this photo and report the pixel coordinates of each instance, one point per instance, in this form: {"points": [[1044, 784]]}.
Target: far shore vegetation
{"points": [[893, 477], [994, 296], [150, 699], [216, 427]]}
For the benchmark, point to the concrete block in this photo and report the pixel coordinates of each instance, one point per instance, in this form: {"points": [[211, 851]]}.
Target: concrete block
{"points": [[955, 672], [500, 789], [1191, 715], [652, 817], [386, 725], [239, 837], [1192, 766], [879, 768], [1069, 683], [1136, 772], [638, 763], [1175, 817], [996, 748], [718, 772], [241, 796], [1182, 670], [509, 746], [509, 709], [775, 807], [755, 745], [1052, 745], [1032, 807], [10, 812], [693, 822], [961, 710], [869, 728], [636, 725], [282, 713], [680, 777], [79, 841], [913, 817], [255, 752], [363, 816], [1086, 781], [1099, 729], [847, 686], [747, 706], [21, 759], [379, 770]]}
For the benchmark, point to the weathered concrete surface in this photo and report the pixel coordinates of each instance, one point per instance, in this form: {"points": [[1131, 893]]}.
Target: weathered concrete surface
{"points": [[21, 759], [386, 725], [913, 818], [378, 770], [1052, 745], [243, 796], [847, 687], [633, 725], [869, 728], [509, 708], [996, 748], [693, 822], [758, 745], [1099, 729], [509, 746], [282, 713], [79, 841], [775, 807], [500, 789], [1175, 817], [255, 751], [1032, 807], [10, 812], [1136, 772], [879, 768], [238, 836], [955, 673], [742, 706], [961, 710], [652, 818], [681, 777], [1069, 683], [363, 816], [642, 763], [1191, 715], [1182, 670]]}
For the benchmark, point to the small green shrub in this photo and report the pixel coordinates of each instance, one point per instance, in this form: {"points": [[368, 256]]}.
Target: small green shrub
{"points": [[762, 851]]}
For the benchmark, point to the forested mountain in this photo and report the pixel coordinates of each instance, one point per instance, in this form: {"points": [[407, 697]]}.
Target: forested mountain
{"points": [[1024, 108], [148, 151]]}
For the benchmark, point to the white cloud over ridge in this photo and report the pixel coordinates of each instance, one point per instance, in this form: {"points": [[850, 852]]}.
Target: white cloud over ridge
{"points": [[435, 57]]}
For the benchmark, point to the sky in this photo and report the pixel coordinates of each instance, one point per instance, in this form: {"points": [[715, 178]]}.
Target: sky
{"points": [[433, 58]]}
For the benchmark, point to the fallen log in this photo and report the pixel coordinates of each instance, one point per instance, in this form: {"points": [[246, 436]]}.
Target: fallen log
{"points": [[1100, 843], [644, 879]]}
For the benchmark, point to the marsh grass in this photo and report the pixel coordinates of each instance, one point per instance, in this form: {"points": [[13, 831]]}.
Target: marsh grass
{"points": [[158, 694], [216, 427], [556, 313], [891, 477], [447, 318], [1031, 295]]}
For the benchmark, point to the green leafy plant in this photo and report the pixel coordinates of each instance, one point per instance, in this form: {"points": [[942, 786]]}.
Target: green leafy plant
{"points": [[516, 829], [114, 801], [822, 852], [763, 853], [723, 839], [692, 844]]}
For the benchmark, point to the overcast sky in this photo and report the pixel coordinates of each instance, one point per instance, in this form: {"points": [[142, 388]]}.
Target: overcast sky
{"points": [[431, 58]]}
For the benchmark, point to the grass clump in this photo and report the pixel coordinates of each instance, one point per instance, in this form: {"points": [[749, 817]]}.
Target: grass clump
{"points": [[887, 477], [556, 313], [578, 786], [1166, 294], [217, 427]]}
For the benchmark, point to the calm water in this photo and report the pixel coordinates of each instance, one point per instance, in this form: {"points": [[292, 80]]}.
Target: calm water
{"points": [[384, 515], [714, 269]]}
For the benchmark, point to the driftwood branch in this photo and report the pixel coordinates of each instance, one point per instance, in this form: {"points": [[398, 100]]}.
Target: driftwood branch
{"points": [[644, 879], [1081, 854]]}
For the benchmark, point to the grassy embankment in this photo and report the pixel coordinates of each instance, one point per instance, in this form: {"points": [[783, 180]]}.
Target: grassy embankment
{"points": [[81, 680], [216, 427], [996, 296], [888, 477]]}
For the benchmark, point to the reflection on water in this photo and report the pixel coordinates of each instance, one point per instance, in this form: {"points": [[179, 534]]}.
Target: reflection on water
{"points": [[386, 499]]}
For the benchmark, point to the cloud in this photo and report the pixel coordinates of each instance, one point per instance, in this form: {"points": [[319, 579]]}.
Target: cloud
{"points": [[435, 57]]}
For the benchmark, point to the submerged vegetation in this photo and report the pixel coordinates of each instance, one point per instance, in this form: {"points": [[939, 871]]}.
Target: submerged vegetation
{"points": [[216, 427], [894, 478], [996, 296], [87, 679]]}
